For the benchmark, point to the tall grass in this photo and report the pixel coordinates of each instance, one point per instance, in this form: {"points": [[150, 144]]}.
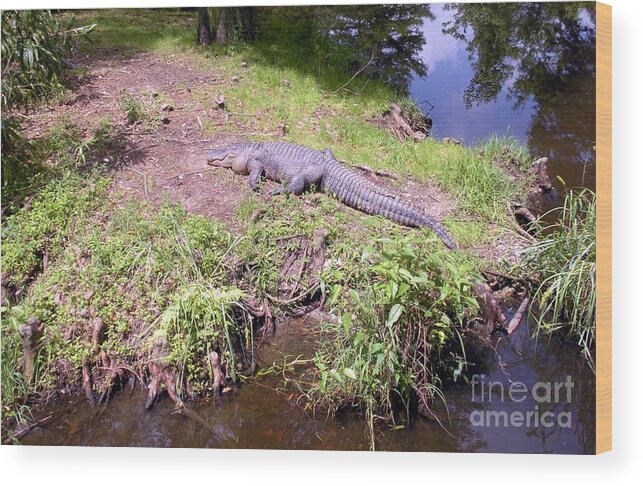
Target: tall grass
{"points": [[200, 319], [565, 259]]}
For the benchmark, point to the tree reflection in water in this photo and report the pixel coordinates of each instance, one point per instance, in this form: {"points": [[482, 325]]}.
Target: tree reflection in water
{"points": [[545, 54]]}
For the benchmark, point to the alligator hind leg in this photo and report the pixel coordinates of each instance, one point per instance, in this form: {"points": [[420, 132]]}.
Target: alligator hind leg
{"points": [[296, 186]]}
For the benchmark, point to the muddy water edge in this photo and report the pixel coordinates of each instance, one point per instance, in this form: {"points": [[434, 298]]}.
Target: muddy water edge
{"points": [[265, 414]]}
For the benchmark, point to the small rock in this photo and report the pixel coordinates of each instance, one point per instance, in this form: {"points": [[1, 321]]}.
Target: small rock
{"points": [[89, 294], [167, 107], [419, 136], [155, 94], [219, 99], [235, 79], [165, 120], [243, 64], [84, 313], [92, 311]]}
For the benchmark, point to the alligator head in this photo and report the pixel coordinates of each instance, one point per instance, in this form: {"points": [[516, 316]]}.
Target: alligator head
{"points": [[231, 157]]}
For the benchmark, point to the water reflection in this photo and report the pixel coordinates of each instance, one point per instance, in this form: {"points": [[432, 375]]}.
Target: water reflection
{"points": [[524, 70]]}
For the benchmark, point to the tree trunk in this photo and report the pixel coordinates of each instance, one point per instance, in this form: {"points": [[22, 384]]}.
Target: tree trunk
{"points": [[222, 35], [203, 33], [247, 22]]}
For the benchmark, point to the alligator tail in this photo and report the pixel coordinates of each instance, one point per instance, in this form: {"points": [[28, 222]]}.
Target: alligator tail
{"points": [[359, 193]]}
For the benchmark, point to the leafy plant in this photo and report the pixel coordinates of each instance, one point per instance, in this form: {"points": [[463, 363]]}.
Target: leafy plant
{"points": [[134, 109], [398, 333], [35, 48]]}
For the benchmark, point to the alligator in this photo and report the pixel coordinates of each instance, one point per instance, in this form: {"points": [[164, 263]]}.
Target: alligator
{"points": [[299, 168]]}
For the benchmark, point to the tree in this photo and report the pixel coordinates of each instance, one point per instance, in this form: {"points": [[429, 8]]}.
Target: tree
{"points": [[203, 32], [391, 34], [234, 23]]}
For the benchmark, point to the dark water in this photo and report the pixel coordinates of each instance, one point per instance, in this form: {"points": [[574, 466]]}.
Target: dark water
{"points": [[561, 127], [265, 415]]}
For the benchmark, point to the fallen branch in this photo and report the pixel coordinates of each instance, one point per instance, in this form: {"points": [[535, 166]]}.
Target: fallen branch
{"points": [[380, 173], [144, 176], [22, 432], [45, 258], [183, 174], [517, 318], [357, 73]]}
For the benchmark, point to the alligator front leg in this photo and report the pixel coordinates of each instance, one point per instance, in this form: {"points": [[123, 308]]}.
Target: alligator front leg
{"points": [[255, 176], [296, 186]]}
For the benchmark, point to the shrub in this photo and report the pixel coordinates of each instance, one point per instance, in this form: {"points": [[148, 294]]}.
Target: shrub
{"points": [[398, 333]]}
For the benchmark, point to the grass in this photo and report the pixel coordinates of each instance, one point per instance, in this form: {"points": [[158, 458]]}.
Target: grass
{"points": [[564, 257], [140, 269], [134, 109]]}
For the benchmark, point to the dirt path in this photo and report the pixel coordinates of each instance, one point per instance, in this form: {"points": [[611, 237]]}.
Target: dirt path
{"points": [[161, 159]]}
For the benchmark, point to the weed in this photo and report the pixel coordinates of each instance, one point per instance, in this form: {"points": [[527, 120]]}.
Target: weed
{"points": [[134, 109], [200, 319]]}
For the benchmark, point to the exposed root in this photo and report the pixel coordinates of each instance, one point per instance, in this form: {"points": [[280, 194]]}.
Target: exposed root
{"points": [[393, 121], [162, 373], [263, 312], [304, 261], [87, 382], [517, 318], [543, 181], [305, 293], [217, 373], [30, 333], [114, 374], [98, 333], [492, 310]]}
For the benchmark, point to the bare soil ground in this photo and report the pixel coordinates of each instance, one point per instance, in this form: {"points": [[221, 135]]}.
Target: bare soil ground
{"points": [[163, 158]]}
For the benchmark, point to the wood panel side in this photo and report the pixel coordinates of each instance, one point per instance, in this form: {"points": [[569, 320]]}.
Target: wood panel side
{"points": [[604, 227]]}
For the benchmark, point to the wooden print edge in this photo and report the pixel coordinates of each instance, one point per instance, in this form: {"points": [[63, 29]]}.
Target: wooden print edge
{"points": [[604, 227]]}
